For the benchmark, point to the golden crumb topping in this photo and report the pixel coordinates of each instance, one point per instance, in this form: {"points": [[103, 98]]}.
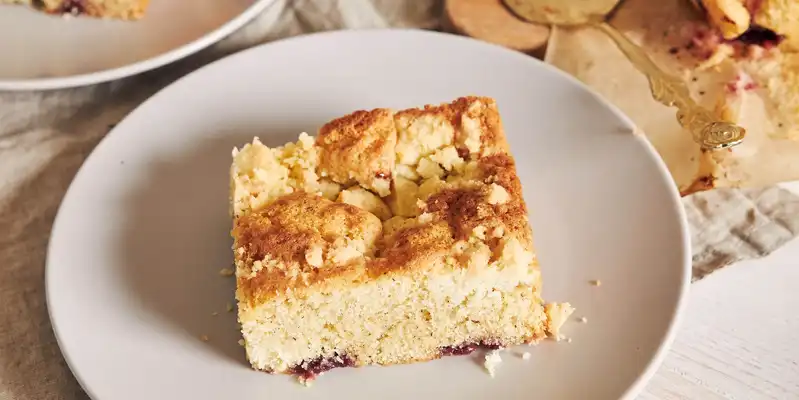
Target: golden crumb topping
{"points": [[293, 239], [402, 199], [366, 200], [421, 133], [378, 192], [359, 148], [497, 195], [260, 175], [449, 159]]}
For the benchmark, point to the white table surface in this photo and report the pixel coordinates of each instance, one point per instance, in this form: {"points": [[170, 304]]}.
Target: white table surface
{"points": [[739, 337]]}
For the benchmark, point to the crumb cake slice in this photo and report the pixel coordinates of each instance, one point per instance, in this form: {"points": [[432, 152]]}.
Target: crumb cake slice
{"points": [[116, 9], [392, 237]]}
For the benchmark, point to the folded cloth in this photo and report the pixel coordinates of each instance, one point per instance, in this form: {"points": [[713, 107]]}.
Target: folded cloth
{"points": [[729, 225]]}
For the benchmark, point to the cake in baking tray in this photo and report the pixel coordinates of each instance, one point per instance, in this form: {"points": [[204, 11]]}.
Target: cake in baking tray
{"points": [[114, 9], [391, 237]]}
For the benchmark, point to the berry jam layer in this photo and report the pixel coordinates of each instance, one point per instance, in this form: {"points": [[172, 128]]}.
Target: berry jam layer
{"points": [[310, 369]]}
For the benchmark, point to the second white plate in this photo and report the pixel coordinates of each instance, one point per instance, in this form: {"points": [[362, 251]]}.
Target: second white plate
{"points": [[41, 51], [132, 269]]}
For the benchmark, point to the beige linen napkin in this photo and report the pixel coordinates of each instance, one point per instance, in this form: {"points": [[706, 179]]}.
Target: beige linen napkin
{"points": [[44, 138]]}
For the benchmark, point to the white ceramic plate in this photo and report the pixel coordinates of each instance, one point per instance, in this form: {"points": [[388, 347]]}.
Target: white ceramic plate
{"points": [[132, 271], [41, 51]]}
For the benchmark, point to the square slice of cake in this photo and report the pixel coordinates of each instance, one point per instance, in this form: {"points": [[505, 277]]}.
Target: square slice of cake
{"points": [[392, 237]]}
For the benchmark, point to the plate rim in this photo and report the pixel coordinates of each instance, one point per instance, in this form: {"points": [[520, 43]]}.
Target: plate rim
{"points": [[137, 67], [677, 315]]}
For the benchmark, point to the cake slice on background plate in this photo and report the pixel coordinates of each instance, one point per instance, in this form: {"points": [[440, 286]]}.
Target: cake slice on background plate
{"points": [[752, 83], [114, 9], [390, 238]]}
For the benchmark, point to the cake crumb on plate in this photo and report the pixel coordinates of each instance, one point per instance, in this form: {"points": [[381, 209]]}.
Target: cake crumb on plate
{"points": [[492, 360], [558, 314]]}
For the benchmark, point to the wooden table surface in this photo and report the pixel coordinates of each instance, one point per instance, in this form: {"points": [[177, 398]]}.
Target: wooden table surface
{"points": [[739, 336]]}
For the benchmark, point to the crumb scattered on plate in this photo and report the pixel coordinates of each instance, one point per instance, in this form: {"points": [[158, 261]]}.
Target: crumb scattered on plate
{"points": [[229, 307], [492, 360], [558, 314], [583, 320], [204, 338], [596, 282], [226, 272], [526, 355]]}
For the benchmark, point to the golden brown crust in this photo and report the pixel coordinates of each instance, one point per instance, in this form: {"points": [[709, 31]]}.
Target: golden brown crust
{"points": [[292, 226], [287, 231], [359, 147], [482, 110], [445, 110], [466, 209], [415, 248]]}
